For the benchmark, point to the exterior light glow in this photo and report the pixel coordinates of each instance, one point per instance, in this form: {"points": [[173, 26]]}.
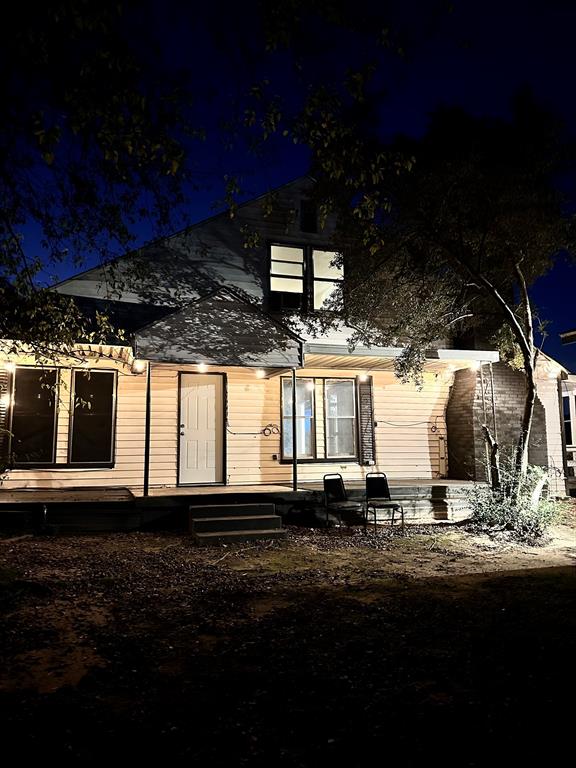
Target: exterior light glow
{"points": [[310, 386], [10, 367], [202, 367], [6, 399], [260, 374], [363, 377], [475, 366], [138, 366]]}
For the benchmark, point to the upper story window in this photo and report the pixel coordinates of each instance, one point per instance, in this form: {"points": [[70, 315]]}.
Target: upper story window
{"points": [[304, 277], [327, 278], [287, 276]]}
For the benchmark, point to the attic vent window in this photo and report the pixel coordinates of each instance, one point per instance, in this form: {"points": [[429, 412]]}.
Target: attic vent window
{"points": [[308, 216]]}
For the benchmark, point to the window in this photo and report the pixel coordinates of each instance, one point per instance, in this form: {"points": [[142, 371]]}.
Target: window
{"points": [[568, 401], [305, 418], [286, 276], [308, 216], [326, 419], [327, 279], [92, 418], [302, 277], [34, 410], [340, 418]]}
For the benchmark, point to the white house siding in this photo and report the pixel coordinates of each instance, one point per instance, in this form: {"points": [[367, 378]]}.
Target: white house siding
{"points": [[130, 422], [547, 389], [406, 444]]}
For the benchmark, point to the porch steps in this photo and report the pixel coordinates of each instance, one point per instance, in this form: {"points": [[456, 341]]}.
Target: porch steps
{"points": [[231, 523]]}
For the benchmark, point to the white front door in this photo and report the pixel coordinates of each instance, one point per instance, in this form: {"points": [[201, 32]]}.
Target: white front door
{"points": [[201, 429]]}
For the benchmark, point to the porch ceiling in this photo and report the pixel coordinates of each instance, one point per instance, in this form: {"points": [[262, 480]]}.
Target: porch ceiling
{"points": [[320, 356]]}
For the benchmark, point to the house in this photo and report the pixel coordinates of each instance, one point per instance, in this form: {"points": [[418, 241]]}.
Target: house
{"points": [[568, 392], [200, 391]]}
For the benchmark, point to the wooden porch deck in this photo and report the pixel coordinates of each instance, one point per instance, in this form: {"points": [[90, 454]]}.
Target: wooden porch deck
{"points": [[97, 494]]}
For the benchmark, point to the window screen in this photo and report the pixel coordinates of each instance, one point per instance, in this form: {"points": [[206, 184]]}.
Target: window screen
{"points": [[306, 435], [93, 417], [34, 415], [340, 418]]}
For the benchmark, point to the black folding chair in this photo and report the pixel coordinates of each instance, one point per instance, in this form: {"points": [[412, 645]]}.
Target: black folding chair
{"points": [[378, 497], [336, 500]]}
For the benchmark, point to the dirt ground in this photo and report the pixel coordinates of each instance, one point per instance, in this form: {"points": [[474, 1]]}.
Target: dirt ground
{"points": [[332, 647]]}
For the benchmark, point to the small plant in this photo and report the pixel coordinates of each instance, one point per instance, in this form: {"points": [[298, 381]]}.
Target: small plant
{"points": [[526, 512]]}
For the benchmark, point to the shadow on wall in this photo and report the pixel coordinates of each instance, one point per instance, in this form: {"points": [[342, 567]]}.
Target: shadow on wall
{"points": [[465, 416]]}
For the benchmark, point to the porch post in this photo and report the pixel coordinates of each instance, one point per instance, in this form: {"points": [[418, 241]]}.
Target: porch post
{"points": [[294, 435], [493, 402], [147, 430]]}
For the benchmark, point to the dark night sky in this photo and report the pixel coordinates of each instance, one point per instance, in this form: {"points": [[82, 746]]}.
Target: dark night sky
{"points": [[477, 56]]}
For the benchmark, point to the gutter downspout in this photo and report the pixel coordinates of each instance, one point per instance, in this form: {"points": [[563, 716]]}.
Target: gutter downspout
{"points": [[294, 435], [147, 429]]}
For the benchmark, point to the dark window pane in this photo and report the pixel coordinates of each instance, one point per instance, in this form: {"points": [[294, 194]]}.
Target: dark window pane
{"points": [[93, 418], [308, 216], [34, 416]]}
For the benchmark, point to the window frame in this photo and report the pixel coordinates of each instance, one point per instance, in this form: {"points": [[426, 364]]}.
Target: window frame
{"points": [[356, 454], [337, 281], [321, 459], [12, 390], [114, 413], [274, 299], [570, 396], [289, 458]]}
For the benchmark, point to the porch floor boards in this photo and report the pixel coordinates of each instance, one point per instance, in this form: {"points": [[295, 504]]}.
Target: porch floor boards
{"points": [[121, 494]]}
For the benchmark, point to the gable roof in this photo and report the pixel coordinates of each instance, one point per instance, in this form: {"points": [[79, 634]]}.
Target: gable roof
{"points": [[123, 316], [220, 329]]}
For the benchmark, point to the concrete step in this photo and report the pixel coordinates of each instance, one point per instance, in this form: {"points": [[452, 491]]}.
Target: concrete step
{"points": [[238, 523], [236, 537], [231, 510]]}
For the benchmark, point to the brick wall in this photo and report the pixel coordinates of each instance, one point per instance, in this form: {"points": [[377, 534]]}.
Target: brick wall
{"points": [[465, 416]]}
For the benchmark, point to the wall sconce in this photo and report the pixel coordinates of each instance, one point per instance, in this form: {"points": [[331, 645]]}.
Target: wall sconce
{"points": [[363, 377], [202, 367], [475, 365], [138, 366], [260, 374]]}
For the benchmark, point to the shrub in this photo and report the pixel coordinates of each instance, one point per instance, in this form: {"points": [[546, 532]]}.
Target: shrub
{"points": [[524, 516]]}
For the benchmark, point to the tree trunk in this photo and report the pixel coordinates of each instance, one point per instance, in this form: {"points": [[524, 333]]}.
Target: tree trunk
{"points": [[521, 462]]}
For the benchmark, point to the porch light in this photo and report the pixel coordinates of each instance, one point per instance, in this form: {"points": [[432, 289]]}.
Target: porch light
{"points": [[363, 377], [310, 386], [260, 374], [202, 367], [475, 365], [10, 367], [138, 366]]}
